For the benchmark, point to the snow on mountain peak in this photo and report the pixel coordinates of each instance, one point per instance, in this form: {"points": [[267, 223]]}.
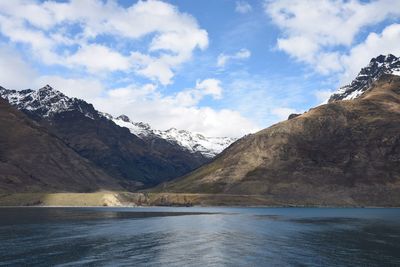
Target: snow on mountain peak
{"points": [[106, 115], [124, 118], [383, 64], [193, 142], [45, 102], [48, 88]]}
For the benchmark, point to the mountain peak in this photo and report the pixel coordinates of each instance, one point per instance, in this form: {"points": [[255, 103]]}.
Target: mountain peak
{"points": [[378, 66], [123, 118], [49, 92], [384, 58], [46, 88], [46, 102], [192, 142]]}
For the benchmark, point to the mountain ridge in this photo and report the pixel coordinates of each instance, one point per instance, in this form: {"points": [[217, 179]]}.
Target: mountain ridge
{"points": [[193, 142], [47, 102], [114, 149], [378, 66], [34, 160]]}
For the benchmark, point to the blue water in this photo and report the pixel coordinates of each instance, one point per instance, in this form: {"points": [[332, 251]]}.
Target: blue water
{"points": [[199, 237]]}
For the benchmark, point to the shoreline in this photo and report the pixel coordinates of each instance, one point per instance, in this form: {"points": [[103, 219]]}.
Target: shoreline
{"points": [[109, 199], [210, 206]]}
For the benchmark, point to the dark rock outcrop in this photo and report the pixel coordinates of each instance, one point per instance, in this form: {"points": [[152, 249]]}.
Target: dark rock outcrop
{"points": [[292, 116]]}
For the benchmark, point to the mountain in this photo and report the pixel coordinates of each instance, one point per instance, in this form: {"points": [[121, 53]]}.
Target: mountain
{"points": [[94, 136], [341, 153], [34, 160], [377, 67], [209, 147]]}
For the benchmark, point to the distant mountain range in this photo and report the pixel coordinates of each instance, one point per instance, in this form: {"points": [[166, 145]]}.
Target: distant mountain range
{"points": [[193, 142], [139, 157], [47, 102], [346, 152]]}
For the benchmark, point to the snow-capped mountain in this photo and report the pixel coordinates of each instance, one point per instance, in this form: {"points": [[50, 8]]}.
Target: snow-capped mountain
{"points": [[377, 67], [135, 162], [46, 102], [194, 142]]}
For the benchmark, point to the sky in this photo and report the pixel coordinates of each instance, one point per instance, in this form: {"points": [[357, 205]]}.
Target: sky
{"points": [[220, 68]]}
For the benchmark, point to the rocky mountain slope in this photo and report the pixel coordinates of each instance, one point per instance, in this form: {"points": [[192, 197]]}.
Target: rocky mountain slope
{"points": [[341, 153], [193, 142], [94, 136], [46, 102], [33, 160], [377, 67]]}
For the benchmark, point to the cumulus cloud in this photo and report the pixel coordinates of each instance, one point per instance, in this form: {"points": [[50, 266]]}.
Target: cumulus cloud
{"points": [[223, 59], [193, 96], [15, 73], [83, 88], [146, 103], [96, 58], [157, 69], [315, 32], [63, 33], [243, 7], [210, 87], [386, 42]]}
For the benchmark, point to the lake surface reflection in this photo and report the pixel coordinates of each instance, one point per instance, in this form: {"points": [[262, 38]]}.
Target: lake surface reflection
{"points": [[199, 237]]}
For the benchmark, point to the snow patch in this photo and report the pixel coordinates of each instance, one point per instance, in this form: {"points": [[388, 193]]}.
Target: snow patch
{"points": [[193, 142], [377, 67], [47, 102]]}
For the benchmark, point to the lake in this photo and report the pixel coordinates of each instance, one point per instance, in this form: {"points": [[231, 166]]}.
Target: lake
{"points": [[199, 237]]}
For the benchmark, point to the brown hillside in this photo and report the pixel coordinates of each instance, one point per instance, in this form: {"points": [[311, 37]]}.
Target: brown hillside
{"points": [[32, 160], [342, 153]]}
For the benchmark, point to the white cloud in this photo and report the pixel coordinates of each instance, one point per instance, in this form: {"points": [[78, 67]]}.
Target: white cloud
{"points": [[387, 42], [157, 69], [18, 32], [210, 87], [180, 111], [298, 46], [243, 7], [314, 31], [223, 59], [53, 30], [191, 97], [98, 58], [15, 73], [73, 87]]}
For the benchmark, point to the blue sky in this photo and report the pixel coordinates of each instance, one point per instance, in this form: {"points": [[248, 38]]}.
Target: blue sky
{"points": [[221, 68]]}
